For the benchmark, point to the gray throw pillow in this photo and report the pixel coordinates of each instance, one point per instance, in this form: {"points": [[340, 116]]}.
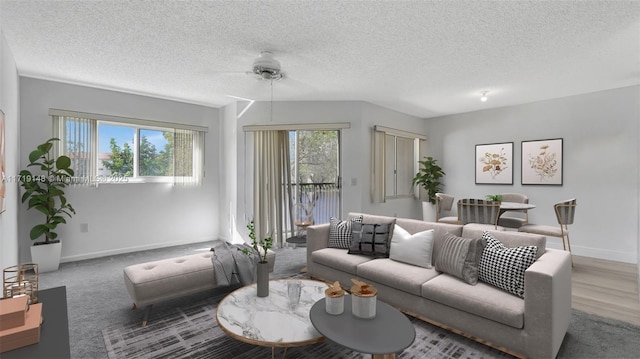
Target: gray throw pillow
{"points": [[460, 257], [371, 239]]}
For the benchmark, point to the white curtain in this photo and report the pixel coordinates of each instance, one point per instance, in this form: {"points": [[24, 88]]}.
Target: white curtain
{"points": [[188, 159], [272, 200], [78, 141]]}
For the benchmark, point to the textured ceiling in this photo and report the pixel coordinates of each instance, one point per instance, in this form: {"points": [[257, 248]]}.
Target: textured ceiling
{"points": [[425, 58]]}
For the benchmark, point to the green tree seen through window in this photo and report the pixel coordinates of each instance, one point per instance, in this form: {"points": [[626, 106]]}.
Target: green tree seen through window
{"points": [[120, 160]]}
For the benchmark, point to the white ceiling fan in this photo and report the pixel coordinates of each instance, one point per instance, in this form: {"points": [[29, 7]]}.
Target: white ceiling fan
{"points": [[266, 67]]}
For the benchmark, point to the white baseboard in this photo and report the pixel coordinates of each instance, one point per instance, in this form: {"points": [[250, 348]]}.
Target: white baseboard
{"points": [[625, 257], [145, 247]]}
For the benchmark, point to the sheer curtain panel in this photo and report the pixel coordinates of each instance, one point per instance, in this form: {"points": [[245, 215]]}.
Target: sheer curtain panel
{"points": [[272, 201]]}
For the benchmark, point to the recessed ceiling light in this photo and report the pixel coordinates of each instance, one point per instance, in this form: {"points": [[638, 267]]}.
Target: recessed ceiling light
{"points": [[484, 97]]}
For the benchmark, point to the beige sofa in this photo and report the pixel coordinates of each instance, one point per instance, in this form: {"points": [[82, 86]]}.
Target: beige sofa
{"points": [[532, 327]]}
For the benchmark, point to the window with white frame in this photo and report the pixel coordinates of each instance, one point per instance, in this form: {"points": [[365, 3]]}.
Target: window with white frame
{"points": [[107, 149]]}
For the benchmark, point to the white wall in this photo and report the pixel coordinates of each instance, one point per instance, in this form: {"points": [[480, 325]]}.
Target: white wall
{"points": [[356, 150], [122, 218], [9, 105], [229, 174], [601, 163]]}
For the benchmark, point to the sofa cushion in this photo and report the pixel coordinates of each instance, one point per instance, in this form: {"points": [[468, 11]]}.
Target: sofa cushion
{"points": [[370, 239], [511, 239], [412, 249], [482, 299], [405, 277], [460, 257], [338, 259], [504, 267], [340, 232]]}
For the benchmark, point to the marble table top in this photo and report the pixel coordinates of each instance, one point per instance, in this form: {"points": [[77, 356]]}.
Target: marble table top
{"points": [[268, 321], [508, 206]]}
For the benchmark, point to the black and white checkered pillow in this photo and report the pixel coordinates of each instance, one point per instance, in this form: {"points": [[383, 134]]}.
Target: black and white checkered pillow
{"points": [[340, 232], [504, 267]]}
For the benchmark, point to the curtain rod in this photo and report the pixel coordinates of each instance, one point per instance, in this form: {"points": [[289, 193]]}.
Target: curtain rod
{"points": [[400, 133], [134, 121], [297, 126]]}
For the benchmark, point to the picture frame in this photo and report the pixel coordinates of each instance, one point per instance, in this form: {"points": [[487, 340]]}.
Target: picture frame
{"points": [[542, 162], [494, 163]]}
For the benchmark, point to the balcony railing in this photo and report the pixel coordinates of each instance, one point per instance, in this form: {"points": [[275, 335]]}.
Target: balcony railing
{"points": [[316, 202]]}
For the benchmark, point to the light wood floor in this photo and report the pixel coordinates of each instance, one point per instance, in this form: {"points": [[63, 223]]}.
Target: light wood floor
{"points": [[606, 288]]}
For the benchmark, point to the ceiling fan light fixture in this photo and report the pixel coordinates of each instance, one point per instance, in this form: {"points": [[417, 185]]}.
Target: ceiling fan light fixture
{"points": [[484, 97], [266, 66]]}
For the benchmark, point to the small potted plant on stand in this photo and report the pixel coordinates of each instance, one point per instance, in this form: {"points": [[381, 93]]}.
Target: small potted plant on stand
{"points": [[44, 192], [428, 178], [262, 268], [494, 197]]}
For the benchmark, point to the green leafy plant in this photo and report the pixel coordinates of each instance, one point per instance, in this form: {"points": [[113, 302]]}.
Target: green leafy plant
{"points": [[44, 190], [428, 177], [494, 197], [256, 244]]}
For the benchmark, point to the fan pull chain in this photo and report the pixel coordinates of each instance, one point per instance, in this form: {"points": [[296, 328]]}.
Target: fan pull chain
{"points": [[271, 110]]}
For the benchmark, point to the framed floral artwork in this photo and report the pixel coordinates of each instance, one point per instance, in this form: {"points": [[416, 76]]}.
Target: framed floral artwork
{"points": [[542, 162], [494, 163]]}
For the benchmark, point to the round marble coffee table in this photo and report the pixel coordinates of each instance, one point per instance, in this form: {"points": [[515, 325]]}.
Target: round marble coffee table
{"points": [[268, 321], [383, 336]]}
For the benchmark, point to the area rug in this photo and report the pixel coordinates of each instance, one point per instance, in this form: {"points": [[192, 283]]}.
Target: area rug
{"points": [[189, 330]]}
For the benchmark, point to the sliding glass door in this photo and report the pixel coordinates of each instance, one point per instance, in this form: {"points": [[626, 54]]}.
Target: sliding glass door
{"points": [[315, 171]]}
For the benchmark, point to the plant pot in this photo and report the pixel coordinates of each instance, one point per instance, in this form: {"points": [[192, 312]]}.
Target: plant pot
{"points": [[47, 256], [428, 211], [262, 281]]}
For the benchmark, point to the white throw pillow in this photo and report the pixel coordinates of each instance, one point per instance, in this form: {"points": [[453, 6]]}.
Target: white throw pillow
{"points": [[412, 249]]}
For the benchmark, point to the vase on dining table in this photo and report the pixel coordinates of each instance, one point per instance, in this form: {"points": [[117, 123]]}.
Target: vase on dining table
{"points": [[262, 279]]}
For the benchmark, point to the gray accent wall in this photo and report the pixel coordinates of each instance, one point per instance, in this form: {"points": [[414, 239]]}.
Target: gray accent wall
{"points": [[601, 163], [122, 217]]}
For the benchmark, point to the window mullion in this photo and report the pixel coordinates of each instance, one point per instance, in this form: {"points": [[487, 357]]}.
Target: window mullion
{"points": [[136, 152]]}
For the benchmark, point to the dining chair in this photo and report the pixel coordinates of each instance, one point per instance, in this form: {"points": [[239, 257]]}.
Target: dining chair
{"points": [[565, 213], [479, 211], [517, 218], [444, 203]]}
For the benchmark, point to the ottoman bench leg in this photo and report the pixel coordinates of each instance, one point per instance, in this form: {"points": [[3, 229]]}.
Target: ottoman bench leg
{"points": [[147, 311], [145, 319]]}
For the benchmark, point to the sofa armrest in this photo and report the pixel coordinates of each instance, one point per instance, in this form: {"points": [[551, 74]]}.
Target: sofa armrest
{"points": [[547, 303], [317, 238]]}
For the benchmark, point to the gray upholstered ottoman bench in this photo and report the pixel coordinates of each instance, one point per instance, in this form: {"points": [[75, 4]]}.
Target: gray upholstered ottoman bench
{"points": [[154, 282]]}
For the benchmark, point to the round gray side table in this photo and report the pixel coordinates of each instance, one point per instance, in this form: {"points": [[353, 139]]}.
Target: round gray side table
{"points": [[385, 335]]}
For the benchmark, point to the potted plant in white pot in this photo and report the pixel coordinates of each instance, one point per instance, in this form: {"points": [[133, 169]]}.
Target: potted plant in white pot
{"points": [[428, 177], [44, 192]]}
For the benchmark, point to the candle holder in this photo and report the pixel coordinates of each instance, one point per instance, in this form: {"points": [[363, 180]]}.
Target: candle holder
{"points": [[334, 302], [21, 279], [363, 300]]}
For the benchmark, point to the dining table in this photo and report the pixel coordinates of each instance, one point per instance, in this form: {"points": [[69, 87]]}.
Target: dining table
{"points": [[514, 206]]}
